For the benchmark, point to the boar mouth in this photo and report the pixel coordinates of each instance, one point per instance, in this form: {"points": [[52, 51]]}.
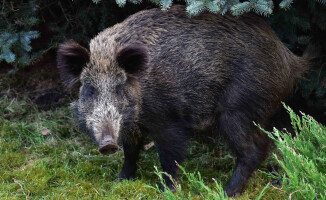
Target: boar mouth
{"points": [[108, 145], [108, 149]]}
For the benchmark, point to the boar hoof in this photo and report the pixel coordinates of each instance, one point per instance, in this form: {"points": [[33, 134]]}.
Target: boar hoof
{"points": [[232, 192], [168, 187], [121, 178], [130, 174]]}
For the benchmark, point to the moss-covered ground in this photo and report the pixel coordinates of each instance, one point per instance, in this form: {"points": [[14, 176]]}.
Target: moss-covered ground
{"points": [[44, 156]]}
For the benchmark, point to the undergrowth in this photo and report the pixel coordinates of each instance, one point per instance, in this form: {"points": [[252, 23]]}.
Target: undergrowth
{"points": [[197, 188], [303, 157]]}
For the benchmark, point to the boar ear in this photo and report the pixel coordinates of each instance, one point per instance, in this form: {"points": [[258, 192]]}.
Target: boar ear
{"points": [[71, 58], [132, 58]]}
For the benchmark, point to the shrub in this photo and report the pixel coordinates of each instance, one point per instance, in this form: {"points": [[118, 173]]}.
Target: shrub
{"points": [[303, 157]]}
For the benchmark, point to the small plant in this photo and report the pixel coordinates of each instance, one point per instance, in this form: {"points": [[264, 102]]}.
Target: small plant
{"points": [[196, 188], [303, 157]]}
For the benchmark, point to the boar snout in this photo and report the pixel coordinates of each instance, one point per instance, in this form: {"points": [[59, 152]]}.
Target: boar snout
{"points": [[108, 149], [108, 143]]}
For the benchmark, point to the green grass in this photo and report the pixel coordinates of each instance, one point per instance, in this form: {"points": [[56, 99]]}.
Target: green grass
{"points": [[65, 164]]}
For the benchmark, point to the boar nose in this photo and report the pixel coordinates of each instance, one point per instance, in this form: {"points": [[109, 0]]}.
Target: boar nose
{"points": [[108, 149]]}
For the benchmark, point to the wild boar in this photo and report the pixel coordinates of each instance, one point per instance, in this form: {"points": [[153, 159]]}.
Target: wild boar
{"points": [[166, 75]]}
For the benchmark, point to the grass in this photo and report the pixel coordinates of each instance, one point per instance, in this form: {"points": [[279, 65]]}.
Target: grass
{"points": [[44, 156]]}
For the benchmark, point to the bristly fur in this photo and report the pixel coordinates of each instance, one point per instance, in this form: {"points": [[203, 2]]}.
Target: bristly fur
{"points": [[207, 73]]}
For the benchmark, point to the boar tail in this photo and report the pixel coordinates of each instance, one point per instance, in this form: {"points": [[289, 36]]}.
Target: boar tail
{"points": [[312, 51], [302, 65]]}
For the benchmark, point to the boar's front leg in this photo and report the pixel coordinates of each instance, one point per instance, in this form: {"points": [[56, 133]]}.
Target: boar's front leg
{"points": [[131, 148], [171, 146]]}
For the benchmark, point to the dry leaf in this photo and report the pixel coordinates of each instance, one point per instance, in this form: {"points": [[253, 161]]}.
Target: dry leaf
{"points": [[45, 132]]}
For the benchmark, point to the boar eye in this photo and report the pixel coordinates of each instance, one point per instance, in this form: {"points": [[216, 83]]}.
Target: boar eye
{"points": [[119, 92], [90, 92]]}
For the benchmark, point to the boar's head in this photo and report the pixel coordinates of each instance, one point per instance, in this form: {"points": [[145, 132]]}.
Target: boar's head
{"points": [[109, 92]]}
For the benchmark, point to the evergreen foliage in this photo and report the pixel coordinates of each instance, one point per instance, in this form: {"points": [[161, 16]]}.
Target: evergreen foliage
{"points": [[83, 19], [237, 7], [313, 89], [53, 22], [303, 157], [17, 22]]}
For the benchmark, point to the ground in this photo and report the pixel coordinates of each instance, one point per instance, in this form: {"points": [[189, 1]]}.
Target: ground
{"points": [[44, 156]]}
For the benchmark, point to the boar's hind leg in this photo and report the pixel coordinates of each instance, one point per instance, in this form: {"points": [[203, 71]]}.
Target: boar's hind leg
{"points": [[249, 145], [131, 149], [171, 146]]}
